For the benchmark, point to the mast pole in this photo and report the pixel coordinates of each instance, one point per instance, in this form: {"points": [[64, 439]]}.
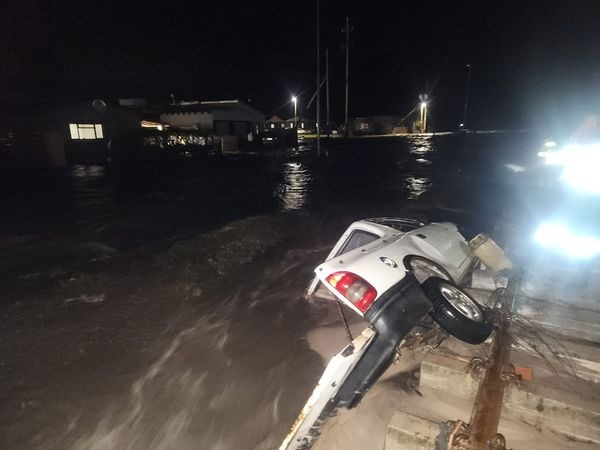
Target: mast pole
{"points": [[464, 119], [318, 82], [347, 30], [327, 85]]}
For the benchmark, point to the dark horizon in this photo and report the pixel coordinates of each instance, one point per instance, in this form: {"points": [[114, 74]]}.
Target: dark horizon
{"points": [[534, 65]]}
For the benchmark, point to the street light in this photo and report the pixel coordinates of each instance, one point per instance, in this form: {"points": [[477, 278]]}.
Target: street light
{"points": [[295, 100], [423, 98]]}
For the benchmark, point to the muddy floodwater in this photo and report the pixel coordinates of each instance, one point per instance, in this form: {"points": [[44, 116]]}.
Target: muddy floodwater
{"points": [[161, 306]]}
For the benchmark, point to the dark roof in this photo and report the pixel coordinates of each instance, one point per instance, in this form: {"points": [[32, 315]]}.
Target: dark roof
{"points": [[208, 106], [186, 108]]}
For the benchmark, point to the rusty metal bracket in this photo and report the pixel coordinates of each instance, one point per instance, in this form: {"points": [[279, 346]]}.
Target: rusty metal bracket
{"points": [[477, 367], [495, 373], [510, 376]]}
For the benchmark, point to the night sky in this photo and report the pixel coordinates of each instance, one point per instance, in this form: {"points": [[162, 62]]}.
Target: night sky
{"points": [[535, 63]]}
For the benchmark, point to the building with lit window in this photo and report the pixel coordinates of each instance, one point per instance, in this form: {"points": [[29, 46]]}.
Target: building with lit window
{"points": [[69, 132], [303, 124], [274, 122]]}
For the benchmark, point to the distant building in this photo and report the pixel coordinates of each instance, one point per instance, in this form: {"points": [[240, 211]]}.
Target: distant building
{"points": [[304, 125], [374, 125], [233, 120], [74, 132], [359, 125], [274, 122]]}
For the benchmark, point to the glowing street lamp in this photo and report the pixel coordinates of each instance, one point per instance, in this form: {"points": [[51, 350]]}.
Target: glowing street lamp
{"points": [[423, 98], [295, 101]]}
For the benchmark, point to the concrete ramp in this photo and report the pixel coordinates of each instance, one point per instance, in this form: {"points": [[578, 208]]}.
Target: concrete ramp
{"points": [[552, 411]]}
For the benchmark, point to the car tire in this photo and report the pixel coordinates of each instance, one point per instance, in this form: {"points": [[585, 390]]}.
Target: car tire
{"points": [[457, 312], [423, 269]]}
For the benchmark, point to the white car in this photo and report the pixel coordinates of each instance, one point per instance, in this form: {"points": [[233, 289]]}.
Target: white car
{"points": [[393, 272], [374, 257]]}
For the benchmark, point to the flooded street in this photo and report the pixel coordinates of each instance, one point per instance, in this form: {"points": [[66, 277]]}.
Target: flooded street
{"points": [[163, 306]]}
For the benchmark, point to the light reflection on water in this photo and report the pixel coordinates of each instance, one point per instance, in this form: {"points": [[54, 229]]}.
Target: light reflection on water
{"points": [[88, 171], [293, 191], [417, 186], [421, 147]]}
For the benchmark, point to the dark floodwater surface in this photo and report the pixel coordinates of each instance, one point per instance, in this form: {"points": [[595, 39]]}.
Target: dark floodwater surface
{"points": [[161, 306], [132, 206]]}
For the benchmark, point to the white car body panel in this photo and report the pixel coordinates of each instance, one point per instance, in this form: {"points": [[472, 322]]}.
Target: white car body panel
{"points": [[336, 372], [439, 242]]}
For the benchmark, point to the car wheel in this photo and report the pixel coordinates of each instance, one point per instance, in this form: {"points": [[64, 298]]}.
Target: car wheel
{"points": [[423, 269], [457, 312]]}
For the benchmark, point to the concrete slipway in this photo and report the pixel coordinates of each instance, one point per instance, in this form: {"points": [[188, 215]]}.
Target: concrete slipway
{"points": [[556, 404]]}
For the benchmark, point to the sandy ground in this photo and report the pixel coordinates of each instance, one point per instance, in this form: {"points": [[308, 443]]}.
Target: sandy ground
{"points": [[364, 427]]}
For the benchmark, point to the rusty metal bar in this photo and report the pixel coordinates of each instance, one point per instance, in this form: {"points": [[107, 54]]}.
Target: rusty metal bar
{"points": [[488, 403], [482, 431]]}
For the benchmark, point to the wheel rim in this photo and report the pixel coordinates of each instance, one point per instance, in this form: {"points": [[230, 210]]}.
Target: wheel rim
{"points": [[462, 302], [424, 270]]}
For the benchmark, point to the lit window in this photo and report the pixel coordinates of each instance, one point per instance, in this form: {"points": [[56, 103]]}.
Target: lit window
{"points": [[86, 131], [302, 125], [272, 125]]}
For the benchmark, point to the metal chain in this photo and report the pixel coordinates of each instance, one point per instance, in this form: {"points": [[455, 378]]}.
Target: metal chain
{"points": [[346, 326]]}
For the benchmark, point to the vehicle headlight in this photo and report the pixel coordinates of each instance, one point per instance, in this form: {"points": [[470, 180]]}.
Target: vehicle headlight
{"points": [[580, 166]]}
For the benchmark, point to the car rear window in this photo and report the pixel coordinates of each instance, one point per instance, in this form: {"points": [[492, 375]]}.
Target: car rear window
{"points": [[358, 238]]}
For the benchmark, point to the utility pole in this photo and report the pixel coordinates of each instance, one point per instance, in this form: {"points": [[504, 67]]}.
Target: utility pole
{"points": [[347, 30], [464, 119], [327, 86], [318, 83]]}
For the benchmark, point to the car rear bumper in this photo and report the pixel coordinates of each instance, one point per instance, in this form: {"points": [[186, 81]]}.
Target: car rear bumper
{"points": [[392, 316]]}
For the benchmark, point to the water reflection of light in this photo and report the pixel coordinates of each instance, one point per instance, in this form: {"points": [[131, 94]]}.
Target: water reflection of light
{"points": [[299, 150], [294, 190], [421, 146], [88, 171], [417, 186]]}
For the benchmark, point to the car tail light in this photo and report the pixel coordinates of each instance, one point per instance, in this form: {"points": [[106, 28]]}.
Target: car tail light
{"points": [[354, 289]]}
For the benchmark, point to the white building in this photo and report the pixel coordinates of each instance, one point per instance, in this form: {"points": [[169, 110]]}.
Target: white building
{"points": [[225, 118]]}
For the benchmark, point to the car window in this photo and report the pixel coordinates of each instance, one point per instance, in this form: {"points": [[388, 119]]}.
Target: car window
{"points": [[358, 238]]}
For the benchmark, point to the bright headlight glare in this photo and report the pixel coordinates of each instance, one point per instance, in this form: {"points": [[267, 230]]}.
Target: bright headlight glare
{"points": [[558, 237], [553, 158], [550, 234], [581, 165], [584, 247]]}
